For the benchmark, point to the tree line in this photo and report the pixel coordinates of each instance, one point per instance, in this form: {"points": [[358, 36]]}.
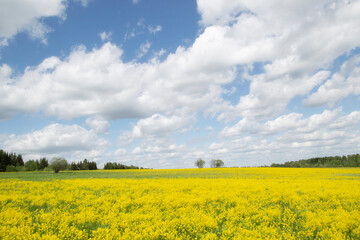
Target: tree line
{"points": [[83, 165], [36, 165], [59, 164], [12, 162], [334, 161], [114, 165]]}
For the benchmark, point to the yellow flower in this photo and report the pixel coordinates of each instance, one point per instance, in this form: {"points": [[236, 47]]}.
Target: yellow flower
{"points": [[229, 203]]}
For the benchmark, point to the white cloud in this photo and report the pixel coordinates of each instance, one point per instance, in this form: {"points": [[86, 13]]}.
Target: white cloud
{"points": [[129, 35], [5, 72], [70, 141], [3, 42], [135, 1], [120, 152], [84, 3], [252, 38], [209, 129], [105, 36], [97, 82], [158, 147], [25, 15], [294, 41], [133, 32], [144, 48], [155, 127], [140, 29], [157, 55], [218, 11], [39, 31], [154, 30], [341, 85], [293, 123], [270, 98], [289, 137], [347, 121], [161, 154], [97, 124]]}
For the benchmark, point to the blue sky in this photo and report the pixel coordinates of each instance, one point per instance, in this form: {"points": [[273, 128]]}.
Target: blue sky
{"points": [[160, 84]]}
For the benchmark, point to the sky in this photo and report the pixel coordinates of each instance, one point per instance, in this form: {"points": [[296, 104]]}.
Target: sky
{"points": [[159, 84]]}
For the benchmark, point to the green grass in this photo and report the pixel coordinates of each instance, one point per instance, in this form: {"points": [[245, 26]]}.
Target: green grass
{"points": [[119, 174], [50, 175], [259, 173]]}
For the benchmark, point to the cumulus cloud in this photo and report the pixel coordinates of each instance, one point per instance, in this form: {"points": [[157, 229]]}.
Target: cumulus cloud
{"points": [[97, 82], [5, 72], [98, 124], [290, 137], [294, 43], [20, 15], [93, 82], [279, 35], [120, 152], [155, 127], [162, 154], [270, 98], [347, 121], [292, 122], [56, 139], [339, 86]]}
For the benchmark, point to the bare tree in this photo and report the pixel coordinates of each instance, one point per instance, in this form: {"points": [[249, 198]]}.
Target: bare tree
{"points": [[216, 163], [200, 163]]}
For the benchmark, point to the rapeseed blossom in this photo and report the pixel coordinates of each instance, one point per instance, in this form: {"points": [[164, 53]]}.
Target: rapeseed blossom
{"points": [[237, 203]]}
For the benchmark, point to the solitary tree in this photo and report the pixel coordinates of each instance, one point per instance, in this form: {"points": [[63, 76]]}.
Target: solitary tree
{"points": [[216, 163], [58, 164], [200, 163]]}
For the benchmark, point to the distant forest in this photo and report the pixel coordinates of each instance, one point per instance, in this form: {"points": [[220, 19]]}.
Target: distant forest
{"points": [[12, 162], [114, 165], [337, 161], [8, 161]]}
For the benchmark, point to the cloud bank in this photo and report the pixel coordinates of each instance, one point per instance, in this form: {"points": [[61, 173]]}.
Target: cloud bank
{"points": [[284, 51], [26, 15]]}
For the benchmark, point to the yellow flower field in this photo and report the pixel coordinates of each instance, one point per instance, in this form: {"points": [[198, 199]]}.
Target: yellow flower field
{"points": [[231, 203]]}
